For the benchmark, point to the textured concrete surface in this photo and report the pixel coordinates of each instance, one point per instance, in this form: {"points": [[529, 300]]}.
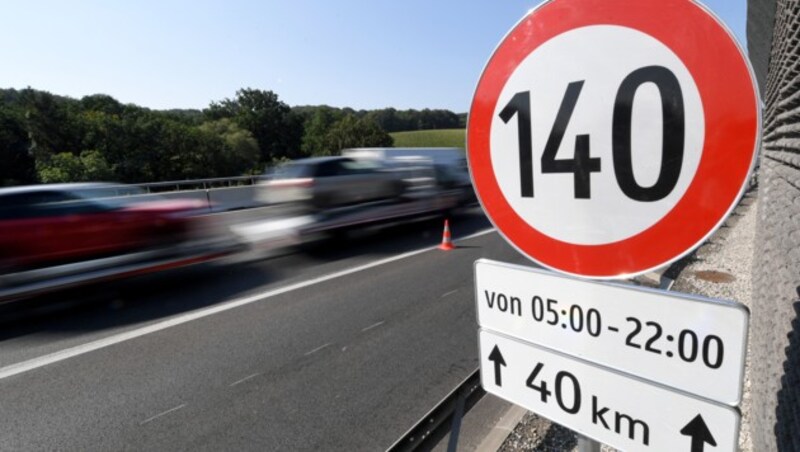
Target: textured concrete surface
{"points": [[775, 326]]}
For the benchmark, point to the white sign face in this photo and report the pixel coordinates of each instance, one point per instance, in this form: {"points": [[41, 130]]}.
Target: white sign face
{"points": [[694, 344], [605, 214], [612, 408]]}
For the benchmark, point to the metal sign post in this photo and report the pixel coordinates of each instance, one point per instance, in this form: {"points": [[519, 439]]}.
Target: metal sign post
{"points": [[587, 444]]}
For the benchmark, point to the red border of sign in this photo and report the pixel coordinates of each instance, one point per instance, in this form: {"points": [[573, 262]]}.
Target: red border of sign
{"points": [[732, 122]]}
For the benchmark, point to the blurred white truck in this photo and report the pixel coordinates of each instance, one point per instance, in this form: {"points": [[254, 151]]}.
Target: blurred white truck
{"points": [[450, 164]]}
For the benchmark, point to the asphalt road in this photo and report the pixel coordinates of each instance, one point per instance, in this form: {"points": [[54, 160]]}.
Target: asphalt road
{"points": [[342, 345]]}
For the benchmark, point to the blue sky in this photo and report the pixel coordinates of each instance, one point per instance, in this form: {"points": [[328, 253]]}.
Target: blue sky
{"points": [[363, 54]]}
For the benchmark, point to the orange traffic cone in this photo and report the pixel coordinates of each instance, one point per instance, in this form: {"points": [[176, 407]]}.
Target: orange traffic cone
{"points": [[447, 244]]}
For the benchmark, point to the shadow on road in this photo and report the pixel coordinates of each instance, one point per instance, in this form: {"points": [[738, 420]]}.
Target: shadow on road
{"points": [[393, 239], [140, 299]]}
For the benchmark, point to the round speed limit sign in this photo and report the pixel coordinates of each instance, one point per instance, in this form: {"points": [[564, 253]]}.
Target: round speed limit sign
{"points": [[607, 138]]}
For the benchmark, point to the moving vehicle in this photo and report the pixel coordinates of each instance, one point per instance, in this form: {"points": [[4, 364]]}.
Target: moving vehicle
{"points": [[53, 224], [449, 165], [325, 182], [454, 158], [405, 189]]}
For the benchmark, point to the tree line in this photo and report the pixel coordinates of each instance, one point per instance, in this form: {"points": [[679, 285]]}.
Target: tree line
{"points": [[50, 138]]}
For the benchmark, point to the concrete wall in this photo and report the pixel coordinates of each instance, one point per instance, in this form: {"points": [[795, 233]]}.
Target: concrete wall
{"points": [[774, 42], [760, 19]]}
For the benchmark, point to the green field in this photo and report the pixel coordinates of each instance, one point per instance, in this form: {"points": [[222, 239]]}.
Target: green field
{"points": [[430, 138]]}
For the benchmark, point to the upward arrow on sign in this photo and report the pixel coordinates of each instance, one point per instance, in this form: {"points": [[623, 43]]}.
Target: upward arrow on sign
{"points": [[498, 360], [698, 431]]}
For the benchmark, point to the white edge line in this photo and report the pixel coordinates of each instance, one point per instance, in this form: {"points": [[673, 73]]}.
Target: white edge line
{"points": [[163, 413], [243, 380], [61, 355], [374, 325], [449, 293], [471, 236], [316, 349]]}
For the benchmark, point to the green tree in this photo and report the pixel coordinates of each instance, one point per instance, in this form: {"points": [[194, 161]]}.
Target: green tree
{"points": [[350, 132], [67, 167], [95, 167], [387, 118], [117, 138], [316, 129], [52, 123], [144, 146], [239, 153], [275, 127], [57, 138], [16, 163], [102, 103], [61, 167]]}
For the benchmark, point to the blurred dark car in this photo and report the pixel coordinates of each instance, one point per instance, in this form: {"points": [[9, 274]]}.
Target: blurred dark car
{"points": [[324, 182], [43, 225]]}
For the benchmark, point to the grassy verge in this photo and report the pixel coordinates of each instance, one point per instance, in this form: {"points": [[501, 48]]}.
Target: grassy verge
{"points": [[430, 138]]}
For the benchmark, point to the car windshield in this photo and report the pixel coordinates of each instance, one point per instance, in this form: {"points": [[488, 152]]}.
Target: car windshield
{"points": [[362, 166], [43, 203], [113, 196], [289, 171]]}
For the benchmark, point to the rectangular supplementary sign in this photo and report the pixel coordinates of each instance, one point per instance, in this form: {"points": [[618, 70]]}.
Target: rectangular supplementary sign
{"points": [[613, 408], [694, 344]]}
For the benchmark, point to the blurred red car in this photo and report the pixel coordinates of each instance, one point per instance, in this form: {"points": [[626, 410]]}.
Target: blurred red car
{"points": [[43, 225]]}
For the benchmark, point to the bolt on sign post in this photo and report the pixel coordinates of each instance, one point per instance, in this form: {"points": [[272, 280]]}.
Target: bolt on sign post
{"points": [[608, 138]]}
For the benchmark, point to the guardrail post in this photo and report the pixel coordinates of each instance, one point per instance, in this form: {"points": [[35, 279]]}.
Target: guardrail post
{"points": [[455, 426]]}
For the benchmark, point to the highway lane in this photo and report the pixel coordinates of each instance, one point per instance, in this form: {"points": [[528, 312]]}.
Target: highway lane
{"points": [[347, 363], [144, 300]]}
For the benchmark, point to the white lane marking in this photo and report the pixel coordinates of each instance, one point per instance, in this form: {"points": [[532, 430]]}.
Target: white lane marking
{"points": [[243, 380], [67, 353], [449, 293], [467, 237], [164, 413], [316, 349], [374, 325]]}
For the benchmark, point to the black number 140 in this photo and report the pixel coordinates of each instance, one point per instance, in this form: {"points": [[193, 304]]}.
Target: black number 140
{"points": [[582, 165]]}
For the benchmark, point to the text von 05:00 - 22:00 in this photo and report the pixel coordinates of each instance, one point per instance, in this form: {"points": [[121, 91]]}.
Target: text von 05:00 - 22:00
{"points": [[646, 335]]}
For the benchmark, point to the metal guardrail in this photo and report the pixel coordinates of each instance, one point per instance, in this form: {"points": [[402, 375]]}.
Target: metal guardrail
{"points": [[220, 194], [429, 430], [198, 184], [177, 185]]}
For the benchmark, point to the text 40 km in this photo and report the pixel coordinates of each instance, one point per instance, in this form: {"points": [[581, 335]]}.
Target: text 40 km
{"points": [[569, 399]]}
